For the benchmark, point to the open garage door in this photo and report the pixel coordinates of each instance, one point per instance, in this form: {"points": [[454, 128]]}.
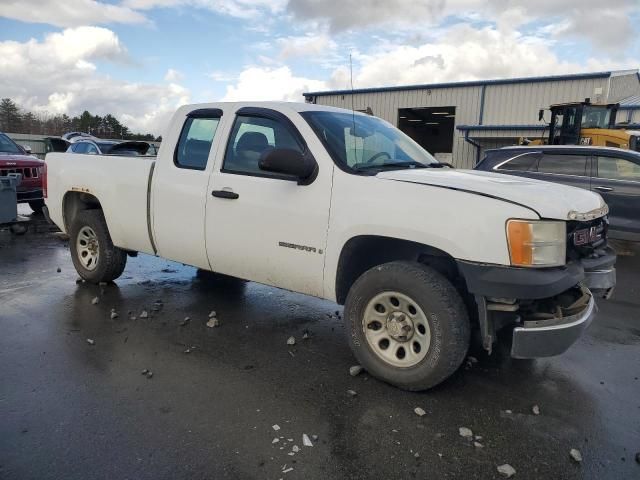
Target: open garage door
{"points": [[431, 127]]}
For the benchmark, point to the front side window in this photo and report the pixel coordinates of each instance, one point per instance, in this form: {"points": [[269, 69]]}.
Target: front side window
{"points": [[9, 146], [91, 149], [618, 169], [192, 151], [250, 138], [563, 164], [595, 117], [360, 143]]}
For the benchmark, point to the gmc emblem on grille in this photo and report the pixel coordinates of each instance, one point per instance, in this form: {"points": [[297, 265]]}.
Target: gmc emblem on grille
{"points": [[586, 236]]}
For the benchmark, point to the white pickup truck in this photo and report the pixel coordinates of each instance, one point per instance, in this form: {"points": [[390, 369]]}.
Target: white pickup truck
{"points": [[344, 206]]}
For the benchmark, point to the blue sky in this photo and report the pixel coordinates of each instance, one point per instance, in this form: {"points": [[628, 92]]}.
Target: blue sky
{"points": [[140, 59]]}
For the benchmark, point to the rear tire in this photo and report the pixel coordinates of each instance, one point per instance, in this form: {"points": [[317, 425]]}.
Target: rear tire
{"points": [[36, 206], [407, 325], [94, 256]]}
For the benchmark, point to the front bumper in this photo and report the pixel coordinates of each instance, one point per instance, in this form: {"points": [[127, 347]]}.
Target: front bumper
{"points": [[546, 338]]}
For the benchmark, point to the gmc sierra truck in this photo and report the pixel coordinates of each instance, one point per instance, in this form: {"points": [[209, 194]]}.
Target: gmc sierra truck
{"points": [[344, 206]]}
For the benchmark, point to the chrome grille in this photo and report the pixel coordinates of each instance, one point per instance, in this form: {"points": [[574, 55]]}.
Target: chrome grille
{"points": [[26, 172]]}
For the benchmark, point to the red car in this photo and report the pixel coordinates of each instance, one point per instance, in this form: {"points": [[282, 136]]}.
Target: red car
{"points": [[15, 159]]}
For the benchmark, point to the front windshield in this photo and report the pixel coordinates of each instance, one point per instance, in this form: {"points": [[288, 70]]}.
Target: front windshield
{"points": [[9, 146], [595, 117], [364, 143]]}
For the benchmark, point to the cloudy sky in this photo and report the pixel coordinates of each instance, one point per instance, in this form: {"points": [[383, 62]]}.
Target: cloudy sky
{"points": [[139, 59]]}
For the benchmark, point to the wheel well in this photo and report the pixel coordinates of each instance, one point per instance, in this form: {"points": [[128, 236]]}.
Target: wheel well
{"points": [[75, 202], [364, 252]]}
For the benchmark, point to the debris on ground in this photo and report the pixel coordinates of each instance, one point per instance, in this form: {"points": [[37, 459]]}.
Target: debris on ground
{"points": [[471, 361], [506, 470], [420, 411], [287, 470], [478, 437], [295, 449], [536, 410], [95, 301], [114, 314], [91, 341], [305, 335], [355, 370], [144, 314], [291, 341], [213, 322], [315, 439], [352, 393], [212, 314], [275, 440], [465, 432], [157, 306], [189, 349], [145, 371], [149, 374], [306, 441], [575, 455], [276, 427], [58, 270], [185, 321], [79, 280], [417, 455], [478, 445], [508, 412]]}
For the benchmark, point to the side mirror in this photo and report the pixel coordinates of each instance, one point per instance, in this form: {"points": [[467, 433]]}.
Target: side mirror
{"points": [[540, 114], [27, 149], [289, 162]]}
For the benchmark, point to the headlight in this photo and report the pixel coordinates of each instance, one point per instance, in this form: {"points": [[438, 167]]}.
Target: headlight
{"points": [[537, 243]]}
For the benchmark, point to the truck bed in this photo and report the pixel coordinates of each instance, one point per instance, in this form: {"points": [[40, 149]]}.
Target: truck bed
{"points": [[125, 202]]}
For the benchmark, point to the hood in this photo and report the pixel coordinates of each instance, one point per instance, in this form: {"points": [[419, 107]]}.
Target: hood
{"points": [[7, 160], [548, 200]]}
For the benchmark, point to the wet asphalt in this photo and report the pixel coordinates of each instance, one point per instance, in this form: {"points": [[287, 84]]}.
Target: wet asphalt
{"points": [[72, 410]]}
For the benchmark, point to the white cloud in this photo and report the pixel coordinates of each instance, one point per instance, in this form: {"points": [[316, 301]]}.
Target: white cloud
{"points": [[234, 8], [59, 75], [465, 53], [607, 26], [173, 76], [264, 83], [69, 13], [310, 46]]}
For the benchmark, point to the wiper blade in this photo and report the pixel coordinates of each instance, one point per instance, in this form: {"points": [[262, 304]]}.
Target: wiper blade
{"points": [[392, 165]]}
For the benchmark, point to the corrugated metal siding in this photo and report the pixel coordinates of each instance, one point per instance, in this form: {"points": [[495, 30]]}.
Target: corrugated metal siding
{"points": [[623, 86], [519, 103]]}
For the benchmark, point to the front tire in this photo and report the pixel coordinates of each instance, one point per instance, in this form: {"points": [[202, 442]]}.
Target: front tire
{"points": [[407, 325], [94, 256]]}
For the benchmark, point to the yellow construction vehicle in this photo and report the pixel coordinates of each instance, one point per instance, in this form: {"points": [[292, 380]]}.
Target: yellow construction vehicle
{"points": [[585, 123]]}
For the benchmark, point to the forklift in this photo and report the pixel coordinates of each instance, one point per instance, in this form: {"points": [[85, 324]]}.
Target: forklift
{"points": [[585, 123]]}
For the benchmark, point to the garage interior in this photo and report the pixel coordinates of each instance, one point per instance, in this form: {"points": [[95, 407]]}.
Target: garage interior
{"points": [[431, 127]]}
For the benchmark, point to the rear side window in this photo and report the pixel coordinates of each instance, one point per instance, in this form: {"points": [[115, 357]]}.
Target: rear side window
{"points": [[80, 147], [618, 169], [525, 162], [563, 164], [250, 137], [192, 151]]}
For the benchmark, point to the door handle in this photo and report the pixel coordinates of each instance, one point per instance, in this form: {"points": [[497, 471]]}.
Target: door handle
{"points": [[231, 195], [600, 188]]}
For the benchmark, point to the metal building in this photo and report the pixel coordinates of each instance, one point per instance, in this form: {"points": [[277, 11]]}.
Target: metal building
{"points": [[458, 121]]}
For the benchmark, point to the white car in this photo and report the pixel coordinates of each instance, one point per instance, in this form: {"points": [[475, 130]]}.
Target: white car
{"points": [[344, 206]]}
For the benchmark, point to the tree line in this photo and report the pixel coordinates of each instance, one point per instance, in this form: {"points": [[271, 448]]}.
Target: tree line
{"points": [[16, 120]]}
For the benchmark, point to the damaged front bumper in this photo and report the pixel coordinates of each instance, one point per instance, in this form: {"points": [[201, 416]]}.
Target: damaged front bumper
{"points": [[548, 309], [546, 335]]}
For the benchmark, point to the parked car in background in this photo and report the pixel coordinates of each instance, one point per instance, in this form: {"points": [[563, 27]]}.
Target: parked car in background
{"points": [[611, 172], [89, 145], [16, 159]]}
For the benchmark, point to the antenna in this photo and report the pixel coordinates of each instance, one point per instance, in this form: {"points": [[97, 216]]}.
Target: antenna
{"points": [[353, 110]]}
